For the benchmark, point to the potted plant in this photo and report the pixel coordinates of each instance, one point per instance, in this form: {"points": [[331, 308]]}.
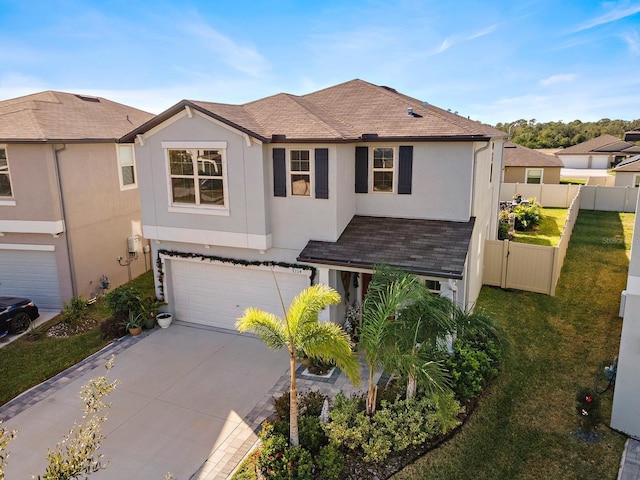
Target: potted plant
{"points": [[134, 324], [149, 308], [164, 319]]}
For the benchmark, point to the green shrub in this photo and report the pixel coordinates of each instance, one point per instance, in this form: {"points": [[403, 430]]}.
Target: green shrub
{"points": [[311, 434], [75, 309], [588, 409], [471, 366], [311, 403], [529, 216], [330, 462], [281, 405], [503, 230], [122, 300], [298, 464], [277, 460]]}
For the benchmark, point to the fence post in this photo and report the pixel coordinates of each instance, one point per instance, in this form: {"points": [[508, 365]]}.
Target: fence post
{"points": [[505, 260]]}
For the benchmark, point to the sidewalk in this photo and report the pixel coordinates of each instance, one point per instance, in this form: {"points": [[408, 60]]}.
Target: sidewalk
{"points": [[630, 463]]}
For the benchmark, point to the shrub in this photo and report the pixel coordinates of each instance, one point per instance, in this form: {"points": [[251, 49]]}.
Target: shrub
{"points": [[528, 216], [503, 230], [281, 405], [74, 310], [471, 366], [121, 301], [330, 462], [277, 460], [311, 403], [588, 409], [311, 434]]}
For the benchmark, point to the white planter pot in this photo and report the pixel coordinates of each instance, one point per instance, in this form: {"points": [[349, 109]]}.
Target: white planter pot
{"points": [[164, 319]]}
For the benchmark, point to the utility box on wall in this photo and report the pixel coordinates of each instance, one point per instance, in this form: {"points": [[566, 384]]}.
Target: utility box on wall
{"points": [[132, 243]]}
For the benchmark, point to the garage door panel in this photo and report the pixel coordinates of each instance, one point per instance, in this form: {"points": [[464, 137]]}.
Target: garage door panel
{"points": [[32, 274], [217, 295]]}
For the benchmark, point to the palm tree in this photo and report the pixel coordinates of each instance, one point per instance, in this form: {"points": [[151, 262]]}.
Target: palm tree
{"points": [[301, 332]]}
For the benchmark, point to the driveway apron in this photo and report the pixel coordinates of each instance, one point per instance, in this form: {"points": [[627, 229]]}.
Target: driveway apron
{"points": [[184, 393]]}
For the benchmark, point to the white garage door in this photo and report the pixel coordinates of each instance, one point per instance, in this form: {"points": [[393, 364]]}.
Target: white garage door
{"points": [[31, 274], [216, 295]]}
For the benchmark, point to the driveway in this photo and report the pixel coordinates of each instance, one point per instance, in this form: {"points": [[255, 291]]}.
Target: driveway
{"points": [[188, 402]]}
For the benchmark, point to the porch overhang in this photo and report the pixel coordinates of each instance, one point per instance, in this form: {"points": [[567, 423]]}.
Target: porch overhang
{"points": [[434, 248]]}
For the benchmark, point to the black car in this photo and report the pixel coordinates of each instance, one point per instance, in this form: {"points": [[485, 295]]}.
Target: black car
{"points": [[16, 314]]}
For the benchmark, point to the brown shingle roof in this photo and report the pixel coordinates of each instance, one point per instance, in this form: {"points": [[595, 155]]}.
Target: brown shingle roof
{"points": [[603, 143], [54, 116], [343, 112], [427, 247], [629, 165], [514, 155]]}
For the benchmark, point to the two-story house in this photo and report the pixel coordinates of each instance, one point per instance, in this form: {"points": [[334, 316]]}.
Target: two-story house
{"points": [[69, 205], [313, 188]]}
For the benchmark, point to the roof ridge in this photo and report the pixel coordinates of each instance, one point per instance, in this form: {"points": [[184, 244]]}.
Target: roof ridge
{"points": [[297, 98]]}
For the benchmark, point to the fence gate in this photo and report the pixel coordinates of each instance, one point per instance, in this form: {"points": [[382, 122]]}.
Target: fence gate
{"points": [[520, 266]]}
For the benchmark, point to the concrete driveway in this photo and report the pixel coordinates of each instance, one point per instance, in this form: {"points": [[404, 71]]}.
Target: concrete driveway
{"points": [[188, 402]]}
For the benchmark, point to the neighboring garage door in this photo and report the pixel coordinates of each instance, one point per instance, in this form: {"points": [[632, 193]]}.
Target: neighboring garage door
{"points": [[216, 295], [32, 274]]}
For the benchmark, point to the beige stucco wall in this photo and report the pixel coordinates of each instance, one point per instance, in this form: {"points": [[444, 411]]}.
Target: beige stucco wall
{"points": [[519, 174]]}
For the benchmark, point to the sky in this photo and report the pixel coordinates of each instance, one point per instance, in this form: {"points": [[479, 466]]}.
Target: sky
{"points": [[492, 60]]}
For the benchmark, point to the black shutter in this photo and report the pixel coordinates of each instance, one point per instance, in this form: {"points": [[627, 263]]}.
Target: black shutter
{"points": [[322, 172], [279, 172], [362, 169], [405, 169]]}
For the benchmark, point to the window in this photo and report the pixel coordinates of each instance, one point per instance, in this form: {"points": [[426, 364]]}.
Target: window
{"points": [[197, 177], [383, 169], [5, 178], [534, 175], [127, 167], [636, 181], [433, 285], [300, 171]]}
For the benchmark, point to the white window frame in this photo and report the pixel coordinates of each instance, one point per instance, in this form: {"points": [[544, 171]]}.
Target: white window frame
{"points": [[636, 180], [129, 186], [526, 175], [8, 201], [393, 169], [309, 173], [202, 209]]}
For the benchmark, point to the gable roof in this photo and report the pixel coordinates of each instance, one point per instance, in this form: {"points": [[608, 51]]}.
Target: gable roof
{"points": [[348, 112], [57, 116], [631, 164], [514, 155], [602, 144], [427, 247]]}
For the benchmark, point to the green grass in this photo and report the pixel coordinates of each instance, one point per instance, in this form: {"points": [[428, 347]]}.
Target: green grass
{"points": [[549, 230], [26, 363], [522, 428], [573, 181]]}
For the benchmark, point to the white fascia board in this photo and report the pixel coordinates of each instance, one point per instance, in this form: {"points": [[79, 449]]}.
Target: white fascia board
{"points": [[24, 246], [28, 226], [207, 237]]}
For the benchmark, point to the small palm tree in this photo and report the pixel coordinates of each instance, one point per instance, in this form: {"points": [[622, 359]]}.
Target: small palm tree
{"points": [[301, 332]]}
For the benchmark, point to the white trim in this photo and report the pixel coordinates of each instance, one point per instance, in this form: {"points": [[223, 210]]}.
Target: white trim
{"points": [[393, 170], [635, 180], [633, 285], [8, 174], [310, 172], [526, 175], [7, 203], [27, 226], [24, 246], [140, 139], [189, 145], [207, 237], [189, 111], [199, 210], [130, 186]]}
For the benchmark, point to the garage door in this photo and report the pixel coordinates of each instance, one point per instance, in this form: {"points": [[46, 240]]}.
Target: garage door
{"points": [[31, 274], [216, 295]]}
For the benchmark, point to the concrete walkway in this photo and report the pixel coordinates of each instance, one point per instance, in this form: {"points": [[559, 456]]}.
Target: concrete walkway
{"points": [[630, 463]]}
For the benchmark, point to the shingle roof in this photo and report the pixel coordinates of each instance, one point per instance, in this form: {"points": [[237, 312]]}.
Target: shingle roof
{"points": [[53, 116], [632, 136], [427, 247], [514, 155], [631, 164], [344, 112], [604, 144]]}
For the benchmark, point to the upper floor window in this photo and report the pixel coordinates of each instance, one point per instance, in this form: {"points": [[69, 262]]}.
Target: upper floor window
{"points": [[636, 181], [300, 171], [383, 168], [5, 177], [127, 167], [197, 177], [534, 175]]}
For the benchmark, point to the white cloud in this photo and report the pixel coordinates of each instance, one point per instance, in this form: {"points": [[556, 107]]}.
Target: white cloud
{"points": [[633, 41], [619, 12], [449, 42], [560, 78]]}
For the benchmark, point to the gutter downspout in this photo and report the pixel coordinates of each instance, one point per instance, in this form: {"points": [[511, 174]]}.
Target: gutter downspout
{"points": [[72, 274], [472, 214]]}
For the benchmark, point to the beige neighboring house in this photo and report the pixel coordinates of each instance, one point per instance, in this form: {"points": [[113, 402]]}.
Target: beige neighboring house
{"points": [[600, 152], [524, 165], [69, 204], [628, 172]]}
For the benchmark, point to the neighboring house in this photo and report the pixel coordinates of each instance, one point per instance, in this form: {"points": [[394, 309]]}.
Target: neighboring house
{"points": [[632, 136], [524, 165], [68, 196], [628, 172], [604, 151], [313, 188]]}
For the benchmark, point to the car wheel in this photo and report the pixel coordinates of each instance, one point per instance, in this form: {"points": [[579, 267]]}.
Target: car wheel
{"points": [[20, 323]]}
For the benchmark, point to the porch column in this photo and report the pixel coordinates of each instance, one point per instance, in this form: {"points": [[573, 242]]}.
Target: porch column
{"points": [[323, 277]]}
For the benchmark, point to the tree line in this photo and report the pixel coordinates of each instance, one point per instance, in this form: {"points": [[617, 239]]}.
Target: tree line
{"points": [[533, 134]]}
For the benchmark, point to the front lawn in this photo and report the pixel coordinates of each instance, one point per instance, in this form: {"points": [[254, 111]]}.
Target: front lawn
{"points": [[523, 428], [29, 361], [549, 230]]}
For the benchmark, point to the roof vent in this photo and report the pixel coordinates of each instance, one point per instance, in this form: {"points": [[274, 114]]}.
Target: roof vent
{"points": [[389, 88], [88, 99], [425, 104], [410, 111]]}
